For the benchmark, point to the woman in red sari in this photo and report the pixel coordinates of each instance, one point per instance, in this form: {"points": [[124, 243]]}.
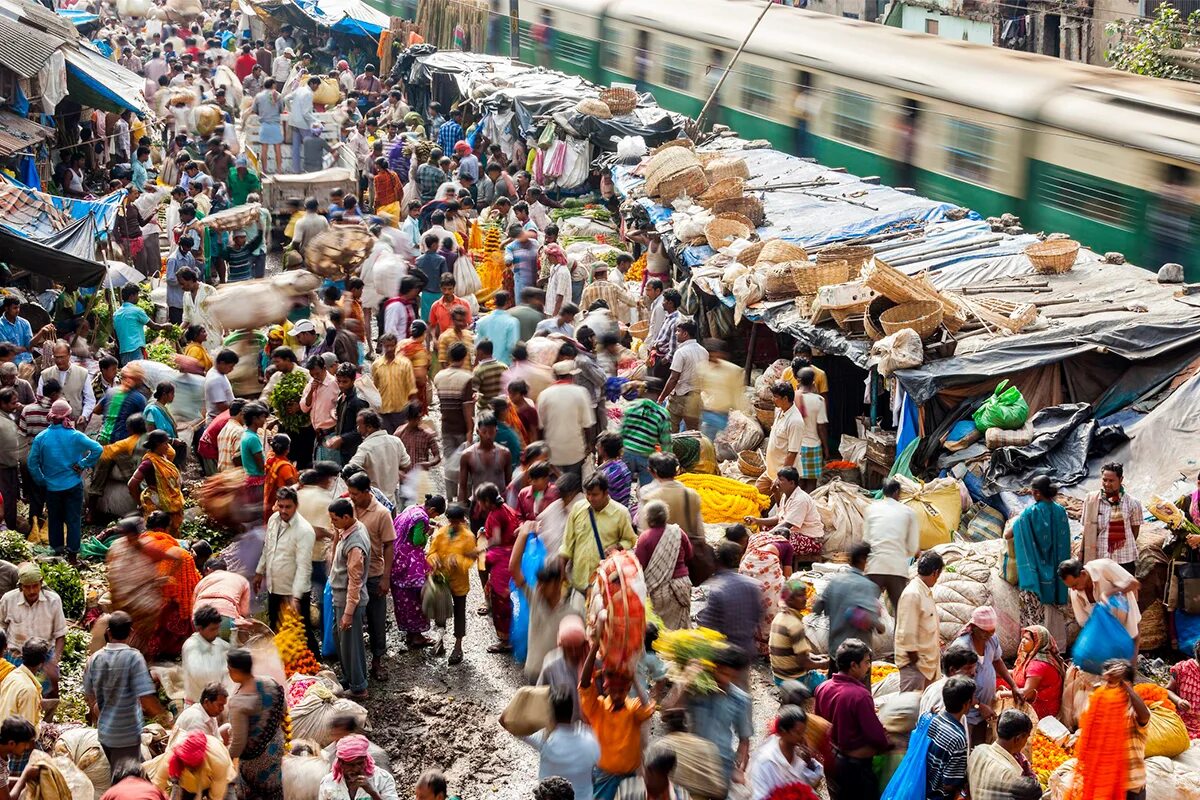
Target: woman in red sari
{"points": [[500, 527], [280, 472]]}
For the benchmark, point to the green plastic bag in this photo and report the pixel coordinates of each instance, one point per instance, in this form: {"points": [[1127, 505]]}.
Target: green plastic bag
{"points": [[1005, 409]]}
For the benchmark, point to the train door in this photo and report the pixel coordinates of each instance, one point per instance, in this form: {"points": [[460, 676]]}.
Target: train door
{"points": [[804, 107], [1171, 221], [907, 129]]}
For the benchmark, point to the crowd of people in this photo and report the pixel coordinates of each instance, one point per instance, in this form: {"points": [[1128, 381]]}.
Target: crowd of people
{"points": [[525, 439]]}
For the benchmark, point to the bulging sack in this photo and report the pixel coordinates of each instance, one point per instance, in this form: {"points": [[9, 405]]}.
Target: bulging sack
{"points": [[1005, 409], [1103, 637]]}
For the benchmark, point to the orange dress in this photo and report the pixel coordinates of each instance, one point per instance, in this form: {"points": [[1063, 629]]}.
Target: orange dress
{"points": [[175, 621], [415, 351], [279, 473]]}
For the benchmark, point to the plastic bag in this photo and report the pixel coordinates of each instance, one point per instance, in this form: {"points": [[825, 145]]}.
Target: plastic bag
{"points": [[466, 277], [1005, 409], [367, 391], [436, 602], [531, 561], [908, 781], [329, 642], [1166, 735], [630, 147], [1103, 637]]}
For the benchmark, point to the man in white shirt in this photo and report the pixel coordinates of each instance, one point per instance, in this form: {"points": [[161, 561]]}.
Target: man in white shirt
{"points": [[285, 567], [382, 456], [301, 117], [74, 380], [811, 405], [653, 293], [783, 759], [281, 66], [682, 391], [558, 288], [783, 442], [566, 411], [204, 714], [218, 391], [918, 645], [796, 517], [891, 528], [203, 656]]}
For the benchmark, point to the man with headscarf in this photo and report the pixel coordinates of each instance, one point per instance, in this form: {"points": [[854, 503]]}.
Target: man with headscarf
{"points": [[57, 458], [353, 770], [199, 764]]}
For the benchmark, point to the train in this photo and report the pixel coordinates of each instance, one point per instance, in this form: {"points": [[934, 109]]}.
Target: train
{"points": [[1109, 157]]}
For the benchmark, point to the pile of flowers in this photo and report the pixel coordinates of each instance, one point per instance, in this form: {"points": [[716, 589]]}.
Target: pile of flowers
{"points": [[1048, 755], [690, 655], [880, 670], [293, 651], [637, 270], [725, 499]]}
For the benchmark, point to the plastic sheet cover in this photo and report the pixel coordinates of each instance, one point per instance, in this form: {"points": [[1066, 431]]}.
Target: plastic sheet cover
{"points": [[55, 256], [1065, 437]]}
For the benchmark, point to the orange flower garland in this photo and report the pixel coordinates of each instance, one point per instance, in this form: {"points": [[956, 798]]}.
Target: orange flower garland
{"points": [[1048, 755], [1103, 770]]}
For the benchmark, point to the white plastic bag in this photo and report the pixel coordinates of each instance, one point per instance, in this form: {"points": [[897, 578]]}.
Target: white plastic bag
{"points": [[466, 277], [630, 147], [367, 391]]}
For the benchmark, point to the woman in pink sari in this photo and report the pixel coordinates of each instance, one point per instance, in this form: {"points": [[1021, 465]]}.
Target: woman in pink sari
{"points": [[409, 568], [768, 560]]}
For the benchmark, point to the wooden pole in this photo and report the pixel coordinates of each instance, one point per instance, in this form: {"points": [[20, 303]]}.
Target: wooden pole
{"points": [[717, 89]]}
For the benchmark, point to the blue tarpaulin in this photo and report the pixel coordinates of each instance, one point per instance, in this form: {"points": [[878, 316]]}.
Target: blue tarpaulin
{"points": [[350, 17], [78, 18], [94, 80]]}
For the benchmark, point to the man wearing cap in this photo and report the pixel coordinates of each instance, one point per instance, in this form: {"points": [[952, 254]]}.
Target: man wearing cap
{"points": [[238, 256], [32, 611], [302, 119], [601, 288], [304, 334], [566, 412], [242, 181]]}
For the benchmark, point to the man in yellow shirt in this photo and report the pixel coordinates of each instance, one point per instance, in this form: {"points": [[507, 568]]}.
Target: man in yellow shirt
{"points": [[457, 332], [722, 389], [202, 766], [21, 691], [802, 352], [918, 649], [593, 529], [396, 382]]}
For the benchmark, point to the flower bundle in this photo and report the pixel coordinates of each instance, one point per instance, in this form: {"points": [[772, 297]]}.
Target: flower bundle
{"points": [[638, 269], [793, 791], [293, 650], [690, 653], [880, 670], [725, 499], [1048, 755]]}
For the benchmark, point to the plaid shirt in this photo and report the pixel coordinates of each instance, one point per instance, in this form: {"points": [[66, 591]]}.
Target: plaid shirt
{"points": [[946, 760], [450, 134], [615, 296], [422, 445], [1131, 510], [429, 178], [229, 444]]}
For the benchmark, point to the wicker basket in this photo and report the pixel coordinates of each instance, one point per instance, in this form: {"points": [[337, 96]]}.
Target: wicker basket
{"points": [[1053, 257], [750, 462], [855, 255], [727, 167], [723, 189], [777, 251], [722, 232], [871, 324], [681, 142], [639, 329], [593, 108], [673, 172], [620, 101], [765, 415], [842, 316], [338, 250], [811, 277], [749, 256], [923, 316], [736, 217], [748, 206]]}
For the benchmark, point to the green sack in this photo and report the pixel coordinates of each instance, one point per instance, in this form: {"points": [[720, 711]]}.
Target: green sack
{"points": [[1005, 409]]}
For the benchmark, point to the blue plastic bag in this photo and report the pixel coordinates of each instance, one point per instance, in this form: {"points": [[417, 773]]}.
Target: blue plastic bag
{"points": [[329, 644], [908, 781], [531, 561], [1187, 629], [1103, 637]]}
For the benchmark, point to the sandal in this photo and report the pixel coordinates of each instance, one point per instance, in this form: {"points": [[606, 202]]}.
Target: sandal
{"points": [[500, 647], [455, 658], [439, 649], [483, 611], [419, 641]]}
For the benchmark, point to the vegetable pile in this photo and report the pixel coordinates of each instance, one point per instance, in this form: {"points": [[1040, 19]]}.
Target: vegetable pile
{"points": [[13, 547], [285, 400], [725, 499], [66, 581]]}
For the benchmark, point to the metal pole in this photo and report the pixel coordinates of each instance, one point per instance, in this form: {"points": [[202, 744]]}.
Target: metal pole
{"points": [[514, 30], [716, 89]]}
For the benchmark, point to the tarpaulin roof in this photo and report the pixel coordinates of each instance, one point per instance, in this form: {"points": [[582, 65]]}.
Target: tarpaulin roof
{"points": [[351, 17], [39, 214], [78, 18], [54, 257], [95, 81]]}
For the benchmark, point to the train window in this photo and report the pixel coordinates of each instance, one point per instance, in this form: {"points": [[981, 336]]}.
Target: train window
{"points": [[852, 117], [969, 151], [677, 66], [1086, 196], [572, 50], [614, 51], [758, 88]]}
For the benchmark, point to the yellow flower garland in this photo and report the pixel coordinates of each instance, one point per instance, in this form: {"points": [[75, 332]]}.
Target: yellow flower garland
{"points": [[725, 499]]}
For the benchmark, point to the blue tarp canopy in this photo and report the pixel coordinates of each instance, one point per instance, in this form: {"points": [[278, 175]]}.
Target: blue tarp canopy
{"points": [[349, 17], [95, 81], [78, 18]]}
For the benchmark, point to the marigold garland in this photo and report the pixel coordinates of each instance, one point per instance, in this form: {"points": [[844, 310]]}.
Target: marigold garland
{"points": [[1102, 772], [292, 647], [1048, 756], [725, 499]]}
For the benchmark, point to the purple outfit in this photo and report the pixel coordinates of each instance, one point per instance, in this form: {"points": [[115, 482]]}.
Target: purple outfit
{"points": [[620, 484], [410, 569]]}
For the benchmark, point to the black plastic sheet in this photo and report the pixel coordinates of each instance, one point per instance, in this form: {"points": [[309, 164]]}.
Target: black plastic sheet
{"points": [[1065, 437]]}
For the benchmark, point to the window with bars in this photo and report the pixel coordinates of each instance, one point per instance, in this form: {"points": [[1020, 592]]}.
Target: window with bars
{"points": [[758, 85], [852, 117], [1086, 196], [969, 151], [677, 66], [614, 50]]}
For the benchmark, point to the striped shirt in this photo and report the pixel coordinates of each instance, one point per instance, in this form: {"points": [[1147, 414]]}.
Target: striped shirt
{"points": [[33, 419], [450, 134], [614, 296], [229, 444], [455, 387], [946, 761], [421, 444], [645, 426], [487, 380], [788, 644], [118, 678]]}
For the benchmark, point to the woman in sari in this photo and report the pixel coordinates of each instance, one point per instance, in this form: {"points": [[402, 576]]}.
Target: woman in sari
{"points": [[663, 551], [140, 591], [1039, 671], [195, 336], [158, 416], [413, 527], [182, 577], [500, 528], [414, 349], [280, 472], [768, 560], [257, 711], [156, 482]]}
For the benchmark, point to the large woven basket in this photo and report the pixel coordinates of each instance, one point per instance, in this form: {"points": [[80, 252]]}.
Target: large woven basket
{"points": [[750, 462], [777, 251], [639, 329], [338, 250], [233, 219], [594, 108], [673, 172], [747, 205], [749, 256], [871, 324], [923, 316], [855, 255], [620, 101], [723, 189], [736, 217], [810, 277], [722, 232], [765, 415], [1053, 257], [727, 167]]}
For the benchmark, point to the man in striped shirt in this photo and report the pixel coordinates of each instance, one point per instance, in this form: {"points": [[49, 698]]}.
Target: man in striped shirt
{"points": [[946, 760], [488, 373], [645, 427], [601, 288]]}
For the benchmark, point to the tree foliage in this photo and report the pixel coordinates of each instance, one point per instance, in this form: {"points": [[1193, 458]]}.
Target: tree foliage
{"points": [[1141, 46]]}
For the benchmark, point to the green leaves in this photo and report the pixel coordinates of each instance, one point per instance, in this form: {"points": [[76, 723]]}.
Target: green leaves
{"points": [[1142, 46]]}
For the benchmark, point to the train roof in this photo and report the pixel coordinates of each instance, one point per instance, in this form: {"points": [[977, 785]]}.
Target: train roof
{"points": [[587, 8]]}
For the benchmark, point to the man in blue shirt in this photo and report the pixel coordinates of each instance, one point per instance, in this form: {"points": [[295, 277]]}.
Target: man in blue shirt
{"points": [[500, 328], [183, 257], [946, 759], [724, 714], [129, 326], [521, 255], [140, 173], [16, 330], [451, 132], [57, 458]]}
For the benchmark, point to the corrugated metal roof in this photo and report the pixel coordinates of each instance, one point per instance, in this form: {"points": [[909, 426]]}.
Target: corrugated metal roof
{"points": [[24, 49], [38, 16], [18, 133]]}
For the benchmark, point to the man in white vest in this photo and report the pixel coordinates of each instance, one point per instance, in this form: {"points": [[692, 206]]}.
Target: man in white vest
{"points": [[77, 385]]}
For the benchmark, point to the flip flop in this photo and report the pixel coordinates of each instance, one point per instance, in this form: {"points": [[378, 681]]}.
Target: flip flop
{"points": [[500, 648], [455, 658]]}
